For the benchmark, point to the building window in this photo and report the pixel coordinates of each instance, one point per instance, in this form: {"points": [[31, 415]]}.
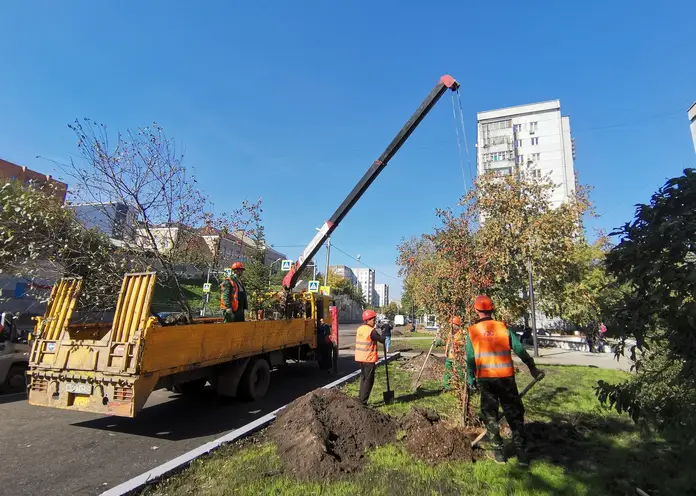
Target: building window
{"points": [[517, 128], [520, 159], [535, 141], [535, 156], [535, 173], [518, 143], [533, 126]]}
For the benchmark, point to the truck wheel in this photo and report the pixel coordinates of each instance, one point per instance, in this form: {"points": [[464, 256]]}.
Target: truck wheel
{"points": [[191, 387], [255, 379], [15, 381]]}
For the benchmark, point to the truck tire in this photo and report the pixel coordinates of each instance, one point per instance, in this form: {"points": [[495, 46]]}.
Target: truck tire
{"points": [[192, 387], [15, 381], [255, 380]]}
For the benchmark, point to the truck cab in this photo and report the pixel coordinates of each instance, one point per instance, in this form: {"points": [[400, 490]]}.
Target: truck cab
{"points": [[14, 354]]}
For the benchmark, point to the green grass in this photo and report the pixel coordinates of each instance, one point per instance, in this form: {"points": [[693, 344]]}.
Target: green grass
{"points": [[414, 345], [609, 457]]}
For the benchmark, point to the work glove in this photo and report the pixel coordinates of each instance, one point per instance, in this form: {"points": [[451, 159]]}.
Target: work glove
{"points": [[439, 343], [535, 372], [473, 386]]}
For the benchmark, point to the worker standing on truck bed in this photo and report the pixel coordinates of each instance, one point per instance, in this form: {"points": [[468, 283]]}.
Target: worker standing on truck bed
{"points": [[366, 353], [455, 343], [489, 362], [233, 297]]}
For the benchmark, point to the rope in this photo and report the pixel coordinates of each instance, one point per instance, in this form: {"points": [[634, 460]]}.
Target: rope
{"points": [[466, 143], [459, 144]]}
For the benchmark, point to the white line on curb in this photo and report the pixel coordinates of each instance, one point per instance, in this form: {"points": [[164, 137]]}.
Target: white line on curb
{"points": [[140, 481]]}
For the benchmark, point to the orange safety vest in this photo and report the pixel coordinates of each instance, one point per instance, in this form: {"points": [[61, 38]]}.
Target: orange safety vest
{"points": [[454, 344], [365, 347], [490, 340], [234, 297]]}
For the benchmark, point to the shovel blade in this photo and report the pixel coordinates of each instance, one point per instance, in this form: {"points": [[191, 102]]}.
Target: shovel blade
{"points": [[388, 397]]}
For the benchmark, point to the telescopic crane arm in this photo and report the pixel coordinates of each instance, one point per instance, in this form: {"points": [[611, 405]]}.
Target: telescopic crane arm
{"points": [[446, 83]]}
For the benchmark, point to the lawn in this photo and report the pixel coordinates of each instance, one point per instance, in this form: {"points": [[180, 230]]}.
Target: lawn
{"points": [[599, 453], [414, 345]]}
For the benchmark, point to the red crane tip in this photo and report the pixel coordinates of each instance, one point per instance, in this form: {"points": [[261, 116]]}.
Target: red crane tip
{"points": [[449, 81]]}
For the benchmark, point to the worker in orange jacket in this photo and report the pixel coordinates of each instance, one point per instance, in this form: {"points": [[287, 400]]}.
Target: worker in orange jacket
{"points": [[233, 297], [489, 362], [366, 353], [455, 344]]}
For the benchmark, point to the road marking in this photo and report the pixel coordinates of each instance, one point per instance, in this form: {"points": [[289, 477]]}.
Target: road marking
{"points": [[182, 461]]}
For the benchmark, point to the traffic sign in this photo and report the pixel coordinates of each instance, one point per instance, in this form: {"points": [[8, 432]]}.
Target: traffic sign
{"points": [[286, 265], [313, 286], [206, 287], [228, 272], [325, 290]]}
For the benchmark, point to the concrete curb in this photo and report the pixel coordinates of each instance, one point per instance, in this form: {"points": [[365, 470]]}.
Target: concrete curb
{"points": [[137, 483]]}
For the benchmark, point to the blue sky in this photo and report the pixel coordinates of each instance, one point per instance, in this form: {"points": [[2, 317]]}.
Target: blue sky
{"points": [[292, 101]]}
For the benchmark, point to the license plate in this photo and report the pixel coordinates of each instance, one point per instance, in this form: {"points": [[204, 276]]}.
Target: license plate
{"points": [[78, 388]]}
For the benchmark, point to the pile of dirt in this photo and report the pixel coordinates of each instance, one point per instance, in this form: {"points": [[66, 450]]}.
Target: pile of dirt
{"points": [[326, 432], [434, 369], [429, 439]]}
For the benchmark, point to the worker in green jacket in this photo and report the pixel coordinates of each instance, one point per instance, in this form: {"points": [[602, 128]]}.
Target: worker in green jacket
{"points": [[489, 348], [233, 296]]}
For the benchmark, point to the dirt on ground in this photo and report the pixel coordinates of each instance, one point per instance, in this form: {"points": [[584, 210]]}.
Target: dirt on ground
{"points": [[326, 433], [434, 369], [429, 439]]}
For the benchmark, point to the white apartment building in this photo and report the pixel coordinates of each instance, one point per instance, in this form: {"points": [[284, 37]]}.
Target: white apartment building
{"points": [[382, 293], [692, 120], [535, 137], [366, 281], [345, 272]]}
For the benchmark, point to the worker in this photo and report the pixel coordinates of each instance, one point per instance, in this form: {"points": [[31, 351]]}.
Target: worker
{"points": [[233, 297], [489, 363], [455, 341], [366, 353]]}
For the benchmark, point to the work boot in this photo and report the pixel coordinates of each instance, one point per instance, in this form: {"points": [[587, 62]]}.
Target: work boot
{"points": [[522, 458], [518, 438], [499, 455]]}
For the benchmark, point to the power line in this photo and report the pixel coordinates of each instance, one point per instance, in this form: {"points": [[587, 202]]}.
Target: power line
{"points": [[363, 263]]}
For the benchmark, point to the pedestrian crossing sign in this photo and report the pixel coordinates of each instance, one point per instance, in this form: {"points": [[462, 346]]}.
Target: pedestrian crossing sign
{"points": [[228, 272], [206, 287], [286, 265], [325, 290], [313, 286]]}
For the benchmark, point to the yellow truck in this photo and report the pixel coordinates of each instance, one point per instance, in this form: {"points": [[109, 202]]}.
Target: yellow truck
{"points": [[112, 368]]}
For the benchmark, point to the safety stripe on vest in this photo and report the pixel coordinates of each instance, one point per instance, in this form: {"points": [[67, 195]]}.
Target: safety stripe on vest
{"points": [[495, 365], [365, 347], [492, 353]]}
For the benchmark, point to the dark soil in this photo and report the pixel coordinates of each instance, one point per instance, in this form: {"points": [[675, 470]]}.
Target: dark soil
{"points": [[429, 439], [326, 433], [434, 369]]}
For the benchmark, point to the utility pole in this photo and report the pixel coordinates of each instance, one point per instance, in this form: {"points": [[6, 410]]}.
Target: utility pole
{"points": [[328, 255], [531, 304]]}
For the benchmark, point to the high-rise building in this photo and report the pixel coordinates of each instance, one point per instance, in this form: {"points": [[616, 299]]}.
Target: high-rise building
{"points": [[345, 272], [382, 292], [366, 281], [534, 137], [692, 120]]}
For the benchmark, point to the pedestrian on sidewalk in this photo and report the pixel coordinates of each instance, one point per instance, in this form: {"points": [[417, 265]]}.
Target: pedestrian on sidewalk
{"points": [[489, 362], [366, 353]]}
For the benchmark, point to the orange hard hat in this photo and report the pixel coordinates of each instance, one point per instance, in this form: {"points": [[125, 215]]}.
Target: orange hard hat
{"points": [[484, 304], [456, 320], [237, 266], [368, 314]]}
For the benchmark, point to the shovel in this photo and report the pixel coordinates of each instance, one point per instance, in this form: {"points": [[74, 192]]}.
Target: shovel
{"points": [[387, 395], [524, 391]]}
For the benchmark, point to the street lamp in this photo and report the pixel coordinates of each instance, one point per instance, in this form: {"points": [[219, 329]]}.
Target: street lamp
{"points": [[270, 270]]}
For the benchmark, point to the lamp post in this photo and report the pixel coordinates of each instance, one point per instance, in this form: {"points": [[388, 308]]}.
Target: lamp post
{"points": [[328, 256], [270, 270], [533, 309]]}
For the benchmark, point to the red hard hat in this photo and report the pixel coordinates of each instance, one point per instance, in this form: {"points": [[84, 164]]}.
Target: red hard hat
{"points": [[484, 304], [237, 265], [456, 320], [369, 314]]}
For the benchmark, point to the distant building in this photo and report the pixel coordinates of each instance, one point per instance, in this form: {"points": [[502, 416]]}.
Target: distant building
{"points": [[15, 172], [533, 138], [692, 120], [117, 220], [345, 272], [235, 247], [366, 281], [382, 292]]}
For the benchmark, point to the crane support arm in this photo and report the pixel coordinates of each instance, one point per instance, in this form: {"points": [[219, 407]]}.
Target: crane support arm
{"points": [[446, 83]]}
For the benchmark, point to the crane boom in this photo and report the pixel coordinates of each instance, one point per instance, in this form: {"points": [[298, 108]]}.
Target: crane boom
{"points": [[446, 82]]}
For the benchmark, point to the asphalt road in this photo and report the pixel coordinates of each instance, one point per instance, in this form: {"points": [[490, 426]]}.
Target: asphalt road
{"points": [[57, 452]]}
